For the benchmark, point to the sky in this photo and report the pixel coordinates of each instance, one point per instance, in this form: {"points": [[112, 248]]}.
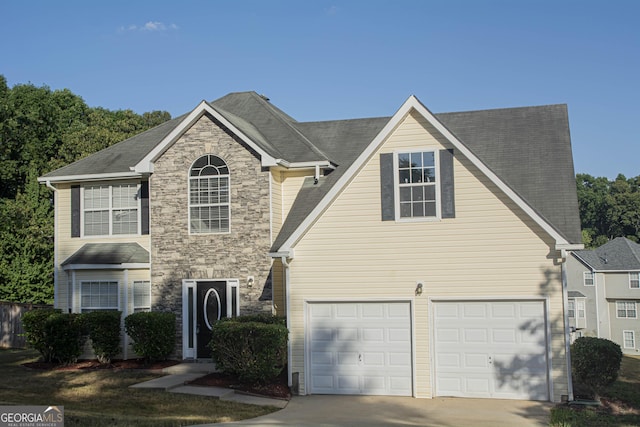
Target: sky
{"points": [[328, 60]]}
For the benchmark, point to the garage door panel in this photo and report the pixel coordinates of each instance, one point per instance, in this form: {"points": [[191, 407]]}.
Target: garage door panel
{"points": [[503, 354], [368, 350]]}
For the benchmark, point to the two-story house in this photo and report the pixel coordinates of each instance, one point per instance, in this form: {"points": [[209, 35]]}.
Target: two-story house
{"points": [[418, 254], [604, 293]]}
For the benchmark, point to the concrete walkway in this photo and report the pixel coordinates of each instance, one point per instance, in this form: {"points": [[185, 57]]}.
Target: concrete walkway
{"points": [[179, 375], [333, 411]]}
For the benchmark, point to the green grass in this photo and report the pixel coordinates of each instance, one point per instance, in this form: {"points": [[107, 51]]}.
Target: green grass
{"points": [[103, 397], [622, 406]]}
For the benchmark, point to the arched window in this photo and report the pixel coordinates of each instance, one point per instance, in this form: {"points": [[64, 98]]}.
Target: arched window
{"points": [[209, 195]]}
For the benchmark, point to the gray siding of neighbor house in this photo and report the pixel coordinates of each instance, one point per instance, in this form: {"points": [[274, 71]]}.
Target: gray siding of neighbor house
{"points": [[575, 280], [178, 255], [617, 289]]}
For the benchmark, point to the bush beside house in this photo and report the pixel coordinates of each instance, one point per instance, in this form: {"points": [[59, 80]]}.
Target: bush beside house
{"points": [[153, 333], [252, 347]]}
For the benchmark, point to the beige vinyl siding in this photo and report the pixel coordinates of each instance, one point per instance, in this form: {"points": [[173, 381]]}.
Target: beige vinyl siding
{"points": [[291, 184], [67, 246], [276, 204], [491, 249], [277, 280]]}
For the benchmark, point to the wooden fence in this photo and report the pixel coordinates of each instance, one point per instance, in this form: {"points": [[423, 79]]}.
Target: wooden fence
{"points": [[11, 334]]}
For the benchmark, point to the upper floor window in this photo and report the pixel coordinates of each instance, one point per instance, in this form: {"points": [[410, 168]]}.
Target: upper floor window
{"points": [[110, 209], [209, 196], [626, 309], [588, 278], [417, 189], [634, 280]]}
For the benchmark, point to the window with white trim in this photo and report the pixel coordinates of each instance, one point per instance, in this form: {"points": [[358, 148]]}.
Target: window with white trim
{"points": [[417, 186], [110, 209], [571, 308], [209, 196], [98, 295], [141, 296], [634, 280], [629, 339], [588, 278], [626, 309], [580, 310]]}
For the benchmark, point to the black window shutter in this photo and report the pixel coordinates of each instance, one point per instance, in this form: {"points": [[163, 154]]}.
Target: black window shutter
{"points": [[75, 211], [144, 205], [386, 187], [448, 205]]}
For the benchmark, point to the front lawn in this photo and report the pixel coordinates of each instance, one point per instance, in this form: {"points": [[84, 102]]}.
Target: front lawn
{"points": [[621, 402], [103, 397]]}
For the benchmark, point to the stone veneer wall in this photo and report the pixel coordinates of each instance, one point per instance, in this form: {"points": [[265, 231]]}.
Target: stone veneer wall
{"points": [[177, 255]]}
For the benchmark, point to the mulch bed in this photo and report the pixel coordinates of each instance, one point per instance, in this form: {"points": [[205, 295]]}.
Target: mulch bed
{"points": [[276, 388], [94, 364]]}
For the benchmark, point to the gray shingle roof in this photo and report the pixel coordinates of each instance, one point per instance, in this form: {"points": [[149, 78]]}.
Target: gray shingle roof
{"points": [[119, 157], [529, 148], [619, 254], [576, 294], [109, 254]]}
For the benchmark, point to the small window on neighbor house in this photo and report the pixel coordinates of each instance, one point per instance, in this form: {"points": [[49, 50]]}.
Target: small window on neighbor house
{"points": [[141, 296], [588, 278], [626, 309], [634, 280], [209, 196], [629, 338], [580, 311], [98, 295], [571, 308], [417, 189]]}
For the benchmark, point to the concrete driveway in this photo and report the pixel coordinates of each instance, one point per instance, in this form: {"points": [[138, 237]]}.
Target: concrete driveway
{"points": [[318, 410]]}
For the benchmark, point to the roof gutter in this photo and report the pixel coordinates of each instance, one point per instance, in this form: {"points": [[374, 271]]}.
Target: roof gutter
{"points": [[305, 165], [55, 242], [88, 177], [567, 330]]}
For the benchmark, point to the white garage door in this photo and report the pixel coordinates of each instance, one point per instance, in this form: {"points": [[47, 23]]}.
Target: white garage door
{"points": [[494, 349], [359, 348]]}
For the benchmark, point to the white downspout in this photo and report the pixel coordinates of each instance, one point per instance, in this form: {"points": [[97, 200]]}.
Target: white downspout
{"points": [[287, 278], [567, 336], [55, 247], [595, 284]]}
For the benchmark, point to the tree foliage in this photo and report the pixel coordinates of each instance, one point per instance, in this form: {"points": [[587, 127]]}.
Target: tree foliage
{"points": [[608, 209], [42, 130]]}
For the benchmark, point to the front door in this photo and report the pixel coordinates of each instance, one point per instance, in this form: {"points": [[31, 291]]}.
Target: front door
{"points": [[211, 306]]}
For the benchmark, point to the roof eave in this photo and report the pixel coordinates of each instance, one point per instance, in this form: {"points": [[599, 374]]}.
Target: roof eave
{"points": [[89, 177], [123, 266]]}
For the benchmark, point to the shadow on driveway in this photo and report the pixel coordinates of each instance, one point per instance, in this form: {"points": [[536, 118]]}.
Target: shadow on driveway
{"points": [[319, 410]]}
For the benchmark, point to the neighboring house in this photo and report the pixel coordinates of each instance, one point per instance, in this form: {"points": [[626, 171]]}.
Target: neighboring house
{"points": [[604, 293], [419, 254]]}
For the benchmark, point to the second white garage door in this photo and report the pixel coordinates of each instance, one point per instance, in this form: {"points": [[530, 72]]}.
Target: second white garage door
{"points": [[359, 348], [495, 349]]}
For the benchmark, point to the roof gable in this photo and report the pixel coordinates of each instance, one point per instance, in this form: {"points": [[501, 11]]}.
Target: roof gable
{"points": [[284, 245]]}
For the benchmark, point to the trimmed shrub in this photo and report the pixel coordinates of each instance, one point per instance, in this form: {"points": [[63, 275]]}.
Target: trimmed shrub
{"points": [[255, 351], [104, 331], [260, 318], [595, 362], [153, 333], [57, 336], [66, 335], [34, 324]]}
